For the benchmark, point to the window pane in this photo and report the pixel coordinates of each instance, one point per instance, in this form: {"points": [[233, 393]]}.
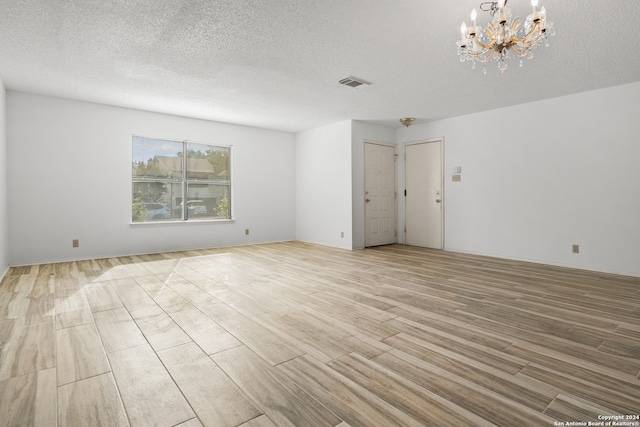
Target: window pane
{"points": [[160, 179], [208, 201], [208, 162], [155, 158], [156, 201]]}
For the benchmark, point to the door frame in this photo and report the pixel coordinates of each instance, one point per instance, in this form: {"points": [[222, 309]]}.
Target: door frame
{"points": [[364, 188], [442, 181]]}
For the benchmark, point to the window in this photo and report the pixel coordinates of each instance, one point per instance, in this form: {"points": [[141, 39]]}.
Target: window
{"points": [[162, 175]]}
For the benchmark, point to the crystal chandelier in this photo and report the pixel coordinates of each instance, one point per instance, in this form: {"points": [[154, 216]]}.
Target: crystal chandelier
{"points": [[505, 37]]}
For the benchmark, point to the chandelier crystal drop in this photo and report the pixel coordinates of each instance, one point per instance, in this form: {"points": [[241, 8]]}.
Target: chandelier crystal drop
{"points": [[505, 37]]}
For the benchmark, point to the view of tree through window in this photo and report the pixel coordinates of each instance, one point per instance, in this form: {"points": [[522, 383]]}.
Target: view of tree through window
{"points": [[162, 175]]}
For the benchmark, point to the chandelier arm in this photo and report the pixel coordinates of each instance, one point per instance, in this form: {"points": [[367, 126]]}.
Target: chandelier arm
{"points": [[491, 35], [520, 40], [514, 25], [516, 50], [482, 45], [481, 56], [525, 39], [535, 41]]}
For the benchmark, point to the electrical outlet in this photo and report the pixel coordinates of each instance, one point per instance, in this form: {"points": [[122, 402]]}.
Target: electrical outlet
{"points": [[246, 231], [75, 243], [575, 249], [342, 234]]}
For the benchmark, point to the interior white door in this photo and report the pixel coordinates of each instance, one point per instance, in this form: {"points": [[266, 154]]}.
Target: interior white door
{"points": [[424, 201], [380, 194]]}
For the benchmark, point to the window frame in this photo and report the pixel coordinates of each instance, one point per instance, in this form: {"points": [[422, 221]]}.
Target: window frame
{"points": [[183, 183]]}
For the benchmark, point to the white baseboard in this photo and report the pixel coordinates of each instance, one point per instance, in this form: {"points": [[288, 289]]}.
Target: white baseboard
{"points": [[535, 261]]}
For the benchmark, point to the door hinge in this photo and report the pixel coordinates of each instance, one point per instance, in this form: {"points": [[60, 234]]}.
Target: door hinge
{"points": [[405, 193]]}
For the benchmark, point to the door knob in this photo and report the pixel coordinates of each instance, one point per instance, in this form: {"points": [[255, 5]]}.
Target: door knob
{"points": [[438, 200], [367, 200]]}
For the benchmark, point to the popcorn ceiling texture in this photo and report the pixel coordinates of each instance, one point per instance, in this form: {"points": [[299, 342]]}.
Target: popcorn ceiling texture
{"points": [[275, 64]]}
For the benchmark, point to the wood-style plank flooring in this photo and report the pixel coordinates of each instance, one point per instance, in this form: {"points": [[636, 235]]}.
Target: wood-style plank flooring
{"points": [[293, 334]]}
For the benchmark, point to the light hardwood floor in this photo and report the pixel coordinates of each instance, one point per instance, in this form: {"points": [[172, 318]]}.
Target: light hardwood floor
{"points": [[292, 334]]}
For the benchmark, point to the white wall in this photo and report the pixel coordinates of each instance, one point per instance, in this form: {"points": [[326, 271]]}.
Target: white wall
{"points": [[323, 185], [557, 172], [70, 178], [539, 177], [4, 224], [363, 132]]}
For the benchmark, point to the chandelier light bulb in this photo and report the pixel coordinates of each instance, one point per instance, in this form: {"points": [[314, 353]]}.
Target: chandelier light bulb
{"points": [[463, 31], [538, 16], [474, 15], [535, 15]]}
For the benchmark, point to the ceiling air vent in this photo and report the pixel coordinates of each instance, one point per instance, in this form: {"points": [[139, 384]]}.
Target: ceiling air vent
{"points": [[353, 81]]}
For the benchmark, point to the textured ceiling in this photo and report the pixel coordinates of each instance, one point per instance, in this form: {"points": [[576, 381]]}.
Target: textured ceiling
{"points": [[276, 63]]}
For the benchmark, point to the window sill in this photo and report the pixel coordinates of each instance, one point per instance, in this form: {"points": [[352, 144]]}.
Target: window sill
{"points": [[182, 222]]}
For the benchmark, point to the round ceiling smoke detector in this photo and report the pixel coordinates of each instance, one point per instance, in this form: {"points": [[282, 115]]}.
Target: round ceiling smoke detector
{"points": [[407, 121]]}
